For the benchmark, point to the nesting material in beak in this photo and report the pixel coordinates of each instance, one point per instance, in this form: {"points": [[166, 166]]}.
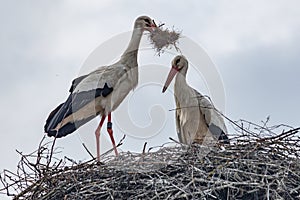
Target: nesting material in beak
{"points": [[162, 39], [152, 27]]}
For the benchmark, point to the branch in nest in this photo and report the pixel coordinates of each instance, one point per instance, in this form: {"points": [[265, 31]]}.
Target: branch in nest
{"points": [[248, 169]]}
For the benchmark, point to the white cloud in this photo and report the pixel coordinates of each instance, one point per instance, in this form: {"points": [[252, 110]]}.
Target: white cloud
{"points": [[232, 26]]}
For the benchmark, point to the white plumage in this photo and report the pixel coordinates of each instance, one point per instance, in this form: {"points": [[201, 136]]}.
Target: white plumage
{"points": [[99, 92], [196, 118]]}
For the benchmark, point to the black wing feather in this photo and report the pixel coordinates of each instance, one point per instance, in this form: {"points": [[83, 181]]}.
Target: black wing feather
{"points": [[218, 133], [74, 103]]}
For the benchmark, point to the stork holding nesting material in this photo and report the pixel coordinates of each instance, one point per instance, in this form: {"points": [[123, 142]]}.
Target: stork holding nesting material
{"points": [[196, 118], [100, 92]]}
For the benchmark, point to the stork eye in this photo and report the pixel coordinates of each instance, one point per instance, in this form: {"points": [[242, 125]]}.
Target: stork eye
{"points": [[147, 20], [177, 61]]}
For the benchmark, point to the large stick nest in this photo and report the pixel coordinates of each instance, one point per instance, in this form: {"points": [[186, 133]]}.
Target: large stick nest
{"points": [[251, 167]]}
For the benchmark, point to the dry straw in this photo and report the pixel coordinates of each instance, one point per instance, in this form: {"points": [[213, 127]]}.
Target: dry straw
{"points": [[163, 39]]}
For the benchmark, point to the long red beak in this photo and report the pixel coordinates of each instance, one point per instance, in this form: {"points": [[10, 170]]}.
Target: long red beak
{"points": [[171, 75], [152, 27]]}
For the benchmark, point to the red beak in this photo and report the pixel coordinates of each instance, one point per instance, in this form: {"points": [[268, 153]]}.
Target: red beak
{"points": [[171, 75], [152, 27]]}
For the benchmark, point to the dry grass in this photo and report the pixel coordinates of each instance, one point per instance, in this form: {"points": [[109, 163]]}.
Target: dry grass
{"points": [[163, 39]]}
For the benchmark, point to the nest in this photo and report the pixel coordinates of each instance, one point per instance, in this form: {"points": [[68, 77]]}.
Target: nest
{"points": [[163, 39], [251, 167]]}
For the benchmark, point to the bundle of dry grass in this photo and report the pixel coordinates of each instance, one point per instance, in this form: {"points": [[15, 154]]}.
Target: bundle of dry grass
{"points": [[163, 39], [251, 167]]}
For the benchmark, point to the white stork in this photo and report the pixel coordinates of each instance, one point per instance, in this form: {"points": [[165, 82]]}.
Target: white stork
{"points": [[196, 118], [99, 92]]}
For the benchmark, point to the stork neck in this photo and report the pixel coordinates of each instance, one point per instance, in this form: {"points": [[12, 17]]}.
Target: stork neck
{"points": [[180, 78], [133, 46]]}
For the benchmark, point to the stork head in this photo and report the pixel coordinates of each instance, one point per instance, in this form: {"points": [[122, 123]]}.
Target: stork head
{"points": [[179, 64], [145, 23]]}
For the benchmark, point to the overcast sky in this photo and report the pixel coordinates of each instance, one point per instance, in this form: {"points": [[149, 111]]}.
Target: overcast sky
{"points": [[44, 44]]}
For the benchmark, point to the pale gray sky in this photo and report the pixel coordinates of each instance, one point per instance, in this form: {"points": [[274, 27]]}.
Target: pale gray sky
{"points": [[254, 44]]}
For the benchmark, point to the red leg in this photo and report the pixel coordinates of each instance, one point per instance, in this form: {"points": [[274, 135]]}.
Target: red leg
{"points": [[97, 133], [110, 132]]}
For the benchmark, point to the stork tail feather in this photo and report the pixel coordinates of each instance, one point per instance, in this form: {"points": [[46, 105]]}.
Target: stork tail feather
{"points": [[75, 112], [223, 138], [56, 117]]}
